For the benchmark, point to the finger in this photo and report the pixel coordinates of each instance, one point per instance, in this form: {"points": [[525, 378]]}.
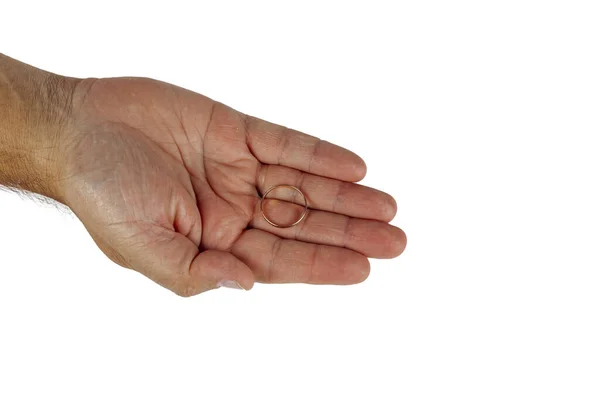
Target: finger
{"points": [[374, 239], [214, 269], [277, 260], [330, 194], [275, 144], [173, 261]]}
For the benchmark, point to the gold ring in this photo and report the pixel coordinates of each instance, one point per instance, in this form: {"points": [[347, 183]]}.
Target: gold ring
{"points": [[264, 197]]}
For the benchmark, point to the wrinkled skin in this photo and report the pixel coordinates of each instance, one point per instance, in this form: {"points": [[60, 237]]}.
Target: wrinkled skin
{"points": [[168, 183]]}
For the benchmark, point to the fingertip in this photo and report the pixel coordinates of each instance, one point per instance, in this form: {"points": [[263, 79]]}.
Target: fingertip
{"points": [[248, 284], [390, 208], [397, 243], [363, 270], [360, 168], [376, 239], [358, 268], [213, 269], [339, 163], [231, 284]]}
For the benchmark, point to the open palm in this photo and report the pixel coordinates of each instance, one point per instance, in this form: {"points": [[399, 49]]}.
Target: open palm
{"points": [[168, 183]]}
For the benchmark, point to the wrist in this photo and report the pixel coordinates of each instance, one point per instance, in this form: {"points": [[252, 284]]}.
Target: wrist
{"points": [[35, 114]]}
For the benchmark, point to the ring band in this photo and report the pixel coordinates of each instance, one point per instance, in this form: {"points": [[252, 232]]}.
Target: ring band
{"points": [[276, 225]]}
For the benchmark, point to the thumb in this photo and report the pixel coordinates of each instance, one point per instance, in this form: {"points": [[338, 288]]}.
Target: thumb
{"points": [[200, 271], [174, 262], [212, 269]]}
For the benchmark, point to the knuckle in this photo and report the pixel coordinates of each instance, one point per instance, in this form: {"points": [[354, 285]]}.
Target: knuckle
{"points": [[183, 287]]}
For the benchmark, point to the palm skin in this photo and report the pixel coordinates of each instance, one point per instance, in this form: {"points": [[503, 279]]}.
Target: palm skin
{"points": [[168, 183]]}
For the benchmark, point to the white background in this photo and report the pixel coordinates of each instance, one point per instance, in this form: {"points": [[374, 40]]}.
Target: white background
{"points": [[480, 117]]}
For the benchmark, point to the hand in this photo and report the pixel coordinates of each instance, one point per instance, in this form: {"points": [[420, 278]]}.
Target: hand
{"points": [[168, 183]]}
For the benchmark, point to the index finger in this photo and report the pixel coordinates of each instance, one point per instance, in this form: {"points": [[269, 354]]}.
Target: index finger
{"points": [[275, 144]]}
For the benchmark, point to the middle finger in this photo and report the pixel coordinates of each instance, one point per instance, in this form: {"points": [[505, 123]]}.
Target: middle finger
{"points": [[330, 194]]}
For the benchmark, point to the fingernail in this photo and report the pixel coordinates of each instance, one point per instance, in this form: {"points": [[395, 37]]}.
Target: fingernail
{"points": [[230, 285]]}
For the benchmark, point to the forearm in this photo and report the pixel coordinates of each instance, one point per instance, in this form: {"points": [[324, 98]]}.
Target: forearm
{"points": [[35, 108]]}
